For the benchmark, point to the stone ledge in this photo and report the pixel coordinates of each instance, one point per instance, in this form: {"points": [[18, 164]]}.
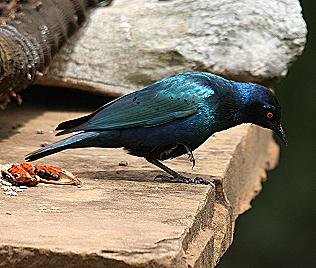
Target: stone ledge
{"points": [[121, 217]]}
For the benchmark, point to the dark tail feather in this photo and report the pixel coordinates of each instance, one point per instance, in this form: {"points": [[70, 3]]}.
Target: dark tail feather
{"points": [[59, 146], [73, 123], [47, 150], [66, 131]]}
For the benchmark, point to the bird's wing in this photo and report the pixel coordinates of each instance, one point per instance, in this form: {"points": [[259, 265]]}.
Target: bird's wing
{"points": [[159, 103]]}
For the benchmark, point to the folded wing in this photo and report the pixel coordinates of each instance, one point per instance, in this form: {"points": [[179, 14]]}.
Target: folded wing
{"points": [[159, 103]]}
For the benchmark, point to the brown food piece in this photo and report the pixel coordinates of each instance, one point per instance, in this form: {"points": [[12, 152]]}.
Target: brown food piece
{"points": [[19, 176], [30, 175]]}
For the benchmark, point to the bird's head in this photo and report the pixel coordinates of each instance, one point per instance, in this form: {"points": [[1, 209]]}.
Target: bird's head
{"points": [[261, 107]]}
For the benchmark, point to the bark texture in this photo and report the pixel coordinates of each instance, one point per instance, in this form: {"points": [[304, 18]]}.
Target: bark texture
{"points": [[31, 33]]}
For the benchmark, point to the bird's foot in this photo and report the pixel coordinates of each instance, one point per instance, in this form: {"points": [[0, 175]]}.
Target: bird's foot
{"points": [[199, 180], [182, 179]]}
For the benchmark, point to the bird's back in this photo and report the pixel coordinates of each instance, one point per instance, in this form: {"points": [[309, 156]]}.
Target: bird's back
{"points": [[162, 102]]}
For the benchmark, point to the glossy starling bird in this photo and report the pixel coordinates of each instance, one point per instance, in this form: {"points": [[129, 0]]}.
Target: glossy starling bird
{"points": [[171, 117]]}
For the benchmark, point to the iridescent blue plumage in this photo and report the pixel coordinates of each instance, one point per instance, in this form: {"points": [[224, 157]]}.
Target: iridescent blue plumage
{"points": [[171, 117]]}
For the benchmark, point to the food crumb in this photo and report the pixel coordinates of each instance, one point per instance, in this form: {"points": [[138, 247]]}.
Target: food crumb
{"points": [[39, 131]]}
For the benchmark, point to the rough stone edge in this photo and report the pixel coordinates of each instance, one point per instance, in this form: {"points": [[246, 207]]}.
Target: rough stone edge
{"points": [[214, 234], [21, 257], [85, 86]]}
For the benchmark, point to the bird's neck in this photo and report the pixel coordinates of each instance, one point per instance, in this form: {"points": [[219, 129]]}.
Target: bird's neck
{"points": [[244, 91], [232, 104], [229, 103], [245, 95]]}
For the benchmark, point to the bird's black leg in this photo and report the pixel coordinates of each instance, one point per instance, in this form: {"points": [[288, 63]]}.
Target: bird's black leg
{"points": [[176, 177], [190, 155]]}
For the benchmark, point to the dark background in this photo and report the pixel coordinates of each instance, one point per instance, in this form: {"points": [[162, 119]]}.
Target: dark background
{"points": [[280, 229]]}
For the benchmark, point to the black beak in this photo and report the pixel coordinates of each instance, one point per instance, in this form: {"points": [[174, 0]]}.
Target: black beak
{"points": [[280, 132]]}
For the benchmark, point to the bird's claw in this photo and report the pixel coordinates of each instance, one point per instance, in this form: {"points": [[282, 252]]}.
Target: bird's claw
{"points": [[164, 178], [190, 155], [191, 159], [182, 179], [199, 180]]}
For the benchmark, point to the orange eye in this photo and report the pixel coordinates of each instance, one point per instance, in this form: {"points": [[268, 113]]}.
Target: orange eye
{"points": [[269, 115]]}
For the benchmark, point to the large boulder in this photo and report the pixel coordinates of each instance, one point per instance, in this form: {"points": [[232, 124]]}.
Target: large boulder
{"points": [[133, 43]]}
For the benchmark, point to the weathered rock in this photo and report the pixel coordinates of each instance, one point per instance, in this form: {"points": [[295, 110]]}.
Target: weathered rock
{"points": [[136, 42]]}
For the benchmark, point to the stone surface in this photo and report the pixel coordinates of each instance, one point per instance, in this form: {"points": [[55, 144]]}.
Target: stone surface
{"points": [[133, 43], [121, 217]]}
